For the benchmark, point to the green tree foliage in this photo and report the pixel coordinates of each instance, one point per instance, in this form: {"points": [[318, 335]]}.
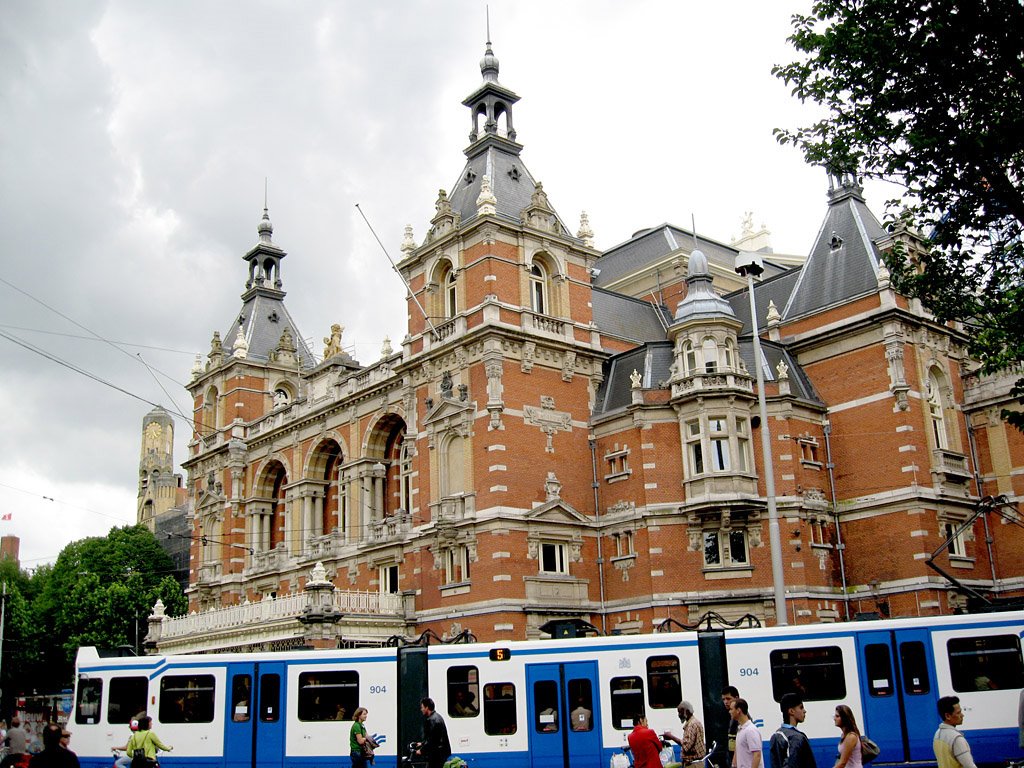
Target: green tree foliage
{"points": [[100, 592], [930, 95]]}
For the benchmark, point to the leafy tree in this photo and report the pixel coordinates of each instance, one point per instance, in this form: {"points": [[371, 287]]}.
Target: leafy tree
{"points": [[100, 592], [930, 95]]}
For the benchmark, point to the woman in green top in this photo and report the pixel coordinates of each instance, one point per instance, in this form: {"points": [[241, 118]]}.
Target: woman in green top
{"points": [[357, 737], [146, 740]]}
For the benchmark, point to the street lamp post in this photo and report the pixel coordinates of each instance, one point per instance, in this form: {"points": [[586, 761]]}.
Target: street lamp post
{"points": [[750, 265]]}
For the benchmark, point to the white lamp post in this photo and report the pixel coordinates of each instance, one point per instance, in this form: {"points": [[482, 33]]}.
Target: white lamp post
{"points": [[750, 265]]}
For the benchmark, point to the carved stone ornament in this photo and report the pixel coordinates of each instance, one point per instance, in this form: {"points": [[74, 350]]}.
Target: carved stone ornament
{"points": [[549, 421], [529, 351]]}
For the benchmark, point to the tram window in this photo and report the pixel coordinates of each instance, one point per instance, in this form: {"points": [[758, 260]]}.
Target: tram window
{"points": [[985, 663], [914, 664], [581, 699], [545, 706], [241, 698], [878, 666], [87, 707], [270, 695], [627, 701], [127, 698], [328, 695], [663, 688], [463, 692], [500, 709], [186, 698], [816, 674]]}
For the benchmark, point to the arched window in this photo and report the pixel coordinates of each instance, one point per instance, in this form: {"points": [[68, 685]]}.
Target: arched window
{"points": [[709, 348], [935, 411], [405, 476], [451, 306], [538, 288], [729, 356], [208, 415], [689, 358], [452, 477]]}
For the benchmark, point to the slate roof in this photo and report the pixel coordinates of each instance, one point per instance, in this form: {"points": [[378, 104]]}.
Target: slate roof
{"points": [[777, 289], [655, 244], [511, 182], [843, 263], [264, 317], [771, 353], [653, 361], [627, 318]]}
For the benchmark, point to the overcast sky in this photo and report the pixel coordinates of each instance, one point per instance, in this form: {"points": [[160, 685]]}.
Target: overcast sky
{"points": [[135, 139]]}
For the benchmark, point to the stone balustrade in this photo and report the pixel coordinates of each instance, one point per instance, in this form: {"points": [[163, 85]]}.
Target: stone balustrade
{"points": [[276, 609]]}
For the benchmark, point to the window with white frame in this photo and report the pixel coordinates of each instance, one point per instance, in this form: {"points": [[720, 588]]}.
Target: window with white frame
{"points": [[689, 358], [955, 544], [554, 557], [935, 411], [387, 579], [538, 288], [820, 534], [809, 451], [451, 306], [694, 449], [719, 429], [743, 462], [456, 564], [405, 476], [709, 349], [618, 464], [624, 544], [723, 549]]}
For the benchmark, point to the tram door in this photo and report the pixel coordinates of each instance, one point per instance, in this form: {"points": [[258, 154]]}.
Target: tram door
{"points": [[254, 733], [897, 676], [563, 715]]}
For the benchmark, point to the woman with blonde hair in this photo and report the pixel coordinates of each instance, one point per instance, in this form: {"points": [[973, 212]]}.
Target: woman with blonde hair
{"points": [[360, 744], [849, 744]]}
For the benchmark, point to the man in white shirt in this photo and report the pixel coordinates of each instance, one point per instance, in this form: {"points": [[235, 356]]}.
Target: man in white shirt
{"points": [[951, 747], [748, 738]]}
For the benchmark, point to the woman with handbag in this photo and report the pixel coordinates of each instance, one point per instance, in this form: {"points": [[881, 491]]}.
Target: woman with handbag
{"points": [[360, 744], [849, 744]]}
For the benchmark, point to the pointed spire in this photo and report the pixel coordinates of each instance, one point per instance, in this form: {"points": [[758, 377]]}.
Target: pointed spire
{"points": [[585, 233], [197, 367], [408, 242], [489, 63], [491, 100], [265, 228]]}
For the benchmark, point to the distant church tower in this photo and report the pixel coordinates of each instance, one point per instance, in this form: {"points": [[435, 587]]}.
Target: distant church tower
{"points": [[158, 485]]}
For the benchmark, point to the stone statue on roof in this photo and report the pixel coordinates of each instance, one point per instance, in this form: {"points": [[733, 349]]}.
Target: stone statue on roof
{"points": [[332, 343]]}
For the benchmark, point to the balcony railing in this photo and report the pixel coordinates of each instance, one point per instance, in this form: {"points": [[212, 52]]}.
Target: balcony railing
{"points": [[951, 464], [278, 609]]}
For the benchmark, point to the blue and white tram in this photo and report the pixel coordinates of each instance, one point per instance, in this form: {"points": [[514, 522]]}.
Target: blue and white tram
{"points": [[556, 703]]}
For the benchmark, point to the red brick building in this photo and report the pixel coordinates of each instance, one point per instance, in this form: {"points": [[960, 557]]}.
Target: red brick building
{"points": [[570, 434]]}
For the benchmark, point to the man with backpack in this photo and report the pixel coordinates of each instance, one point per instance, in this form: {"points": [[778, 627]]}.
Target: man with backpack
{"points": [[789, 747]]}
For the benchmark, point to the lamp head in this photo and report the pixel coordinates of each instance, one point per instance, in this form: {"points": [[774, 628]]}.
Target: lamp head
{"points": [[749, 263]]}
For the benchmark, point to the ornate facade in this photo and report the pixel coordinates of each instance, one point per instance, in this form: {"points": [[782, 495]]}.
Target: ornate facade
{"points": [[570, 434]]}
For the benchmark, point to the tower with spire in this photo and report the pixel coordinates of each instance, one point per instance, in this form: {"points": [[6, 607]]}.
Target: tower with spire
{"points": [[159, 486]]}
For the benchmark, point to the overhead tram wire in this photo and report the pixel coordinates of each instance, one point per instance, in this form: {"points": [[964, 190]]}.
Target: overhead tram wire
{"points": [[92, 338], [77, 369], [107, 341], [398, 272]]}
